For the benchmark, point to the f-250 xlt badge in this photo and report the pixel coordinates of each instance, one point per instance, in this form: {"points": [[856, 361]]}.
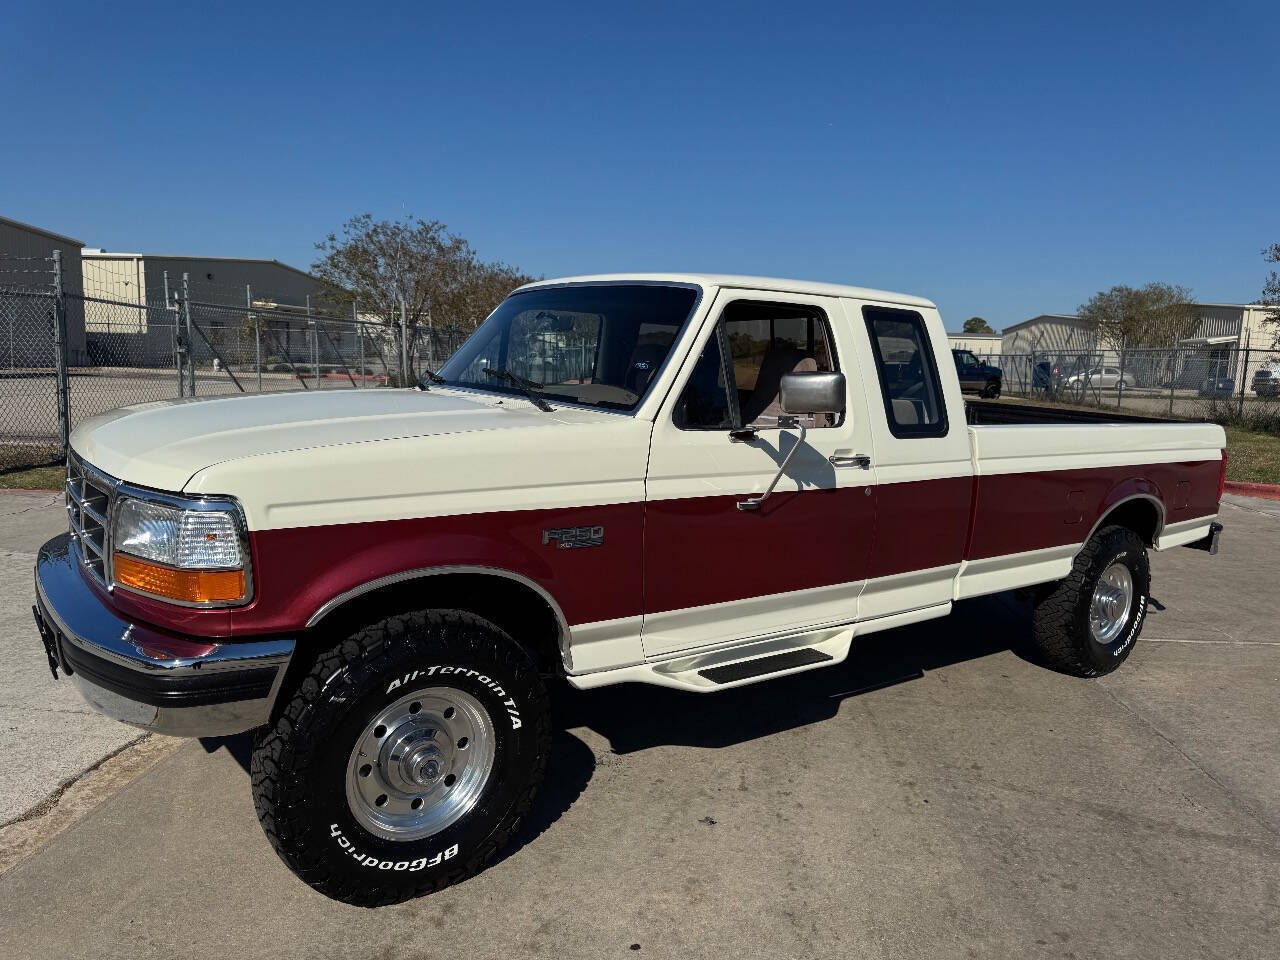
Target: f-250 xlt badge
{"points": [[570, 538]]}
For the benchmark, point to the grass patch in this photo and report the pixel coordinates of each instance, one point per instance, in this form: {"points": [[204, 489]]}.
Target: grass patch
{"points": [[33, 478], [1252, 457]]}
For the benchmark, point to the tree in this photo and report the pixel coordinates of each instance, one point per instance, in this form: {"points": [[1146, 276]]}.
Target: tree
{"points": [[379, 264], [977, 325], [436, 273], [1156, 315], [1271, 293]]}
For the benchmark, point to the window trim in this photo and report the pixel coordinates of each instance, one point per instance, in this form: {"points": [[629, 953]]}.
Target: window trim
{"points": [[900, 431], [719, 332]]}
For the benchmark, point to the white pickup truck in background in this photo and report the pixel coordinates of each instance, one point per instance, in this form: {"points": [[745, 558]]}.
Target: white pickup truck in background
{"points": [[686, 480]]}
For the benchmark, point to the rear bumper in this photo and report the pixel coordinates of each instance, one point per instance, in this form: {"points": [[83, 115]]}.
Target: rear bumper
{"points": [[152, 679]]}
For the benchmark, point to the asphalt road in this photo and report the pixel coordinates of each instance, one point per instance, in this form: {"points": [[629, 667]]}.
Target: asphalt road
{"points": [[936, 796]]}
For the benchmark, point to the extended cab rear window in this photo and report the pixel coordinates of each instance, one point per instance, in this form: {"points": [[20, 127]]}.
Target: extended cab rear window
{"points": [[908, 375]]}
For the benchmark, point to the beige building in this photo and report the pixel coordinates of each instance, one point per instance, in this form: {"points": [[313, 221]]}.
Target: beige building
{"points": [[1233, 325], [984, 346]]}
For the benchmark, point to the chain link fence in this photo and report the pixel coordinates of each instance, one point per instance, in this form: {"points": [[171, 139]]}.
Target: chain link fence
{"points": [[29, 419], [66, 357], [1226, 384]]}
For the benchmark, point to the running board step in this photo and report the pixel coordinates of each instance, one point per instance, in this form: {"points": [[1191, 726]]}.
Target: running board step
{"points": [[746, 669]]}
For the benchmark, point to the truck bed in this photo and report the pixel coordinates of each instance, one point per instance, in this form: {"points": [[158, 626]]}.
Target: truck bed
{"points": [[993, 412]]}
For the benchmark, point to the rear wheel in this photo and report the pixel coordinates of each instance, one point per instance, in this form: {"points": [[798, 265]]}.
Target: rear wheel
{"points": [[1087, 624], [405, 759]]}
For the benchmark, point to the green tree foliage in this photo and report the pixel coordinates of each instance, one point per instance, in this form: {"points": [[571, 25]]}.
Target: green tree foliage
{"points": [[436, 273], [1271, 294], [977, 325], [1156, 315]]}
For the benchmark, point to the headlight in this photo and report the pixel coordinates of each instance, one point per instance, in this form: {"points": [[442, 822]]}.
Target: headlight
{"points": [[193, 556]]}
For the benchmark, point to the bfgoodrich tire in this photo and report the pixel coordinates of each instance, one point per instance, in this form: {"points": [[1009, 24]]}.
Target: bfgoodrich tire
{"points": [[1087, 624], [405, 759]]}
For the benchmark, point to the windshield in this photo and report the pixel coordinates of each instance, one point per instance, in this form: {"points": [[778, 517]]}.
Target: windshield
{"points": [[594, 344]]}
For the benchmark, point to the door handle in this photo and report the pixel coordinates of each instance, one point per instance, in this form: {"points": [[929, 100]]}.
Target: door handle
{"points": [[860, 460]]}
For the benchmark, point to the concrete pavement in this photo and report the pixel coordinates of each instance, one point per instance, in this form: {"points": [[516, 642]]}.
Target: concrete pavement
{"points": [[937, 796], [47, 733]]}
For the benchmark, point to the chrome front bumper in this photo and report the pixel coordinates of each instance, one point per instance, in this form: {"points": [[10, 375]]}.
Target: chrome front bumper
{"points": [[182, 686]]}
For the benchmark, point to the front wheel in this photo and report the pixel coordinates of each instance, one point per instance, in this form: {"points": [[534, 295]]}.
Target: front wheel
{"points": [[992, 390], [405, 759], [1087, 624]]}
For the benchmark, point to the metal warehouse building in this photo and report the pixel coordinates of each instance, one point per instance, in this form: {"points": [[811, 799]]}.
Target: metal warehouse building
{"points": [[1049, 333], [1228, 342], [26, 323], [140, 278], [130, 292]]}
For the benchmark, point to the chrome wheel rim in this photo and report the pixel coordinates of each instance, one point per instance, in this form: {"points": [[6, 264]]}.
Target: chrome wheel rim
{"points": [[421, 764], [1112, 598]]}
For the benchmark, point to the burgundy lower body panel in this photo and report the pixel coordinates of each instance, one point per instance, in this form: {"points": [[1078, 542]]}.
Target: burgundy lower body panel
{"points": [[674, 554]]}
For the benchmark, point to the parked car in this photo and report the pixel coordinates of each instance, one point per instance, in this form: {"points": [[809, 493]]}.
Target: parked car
{"points": [[1266, 381], [750, 474], [976, 376], [1103, 378]]}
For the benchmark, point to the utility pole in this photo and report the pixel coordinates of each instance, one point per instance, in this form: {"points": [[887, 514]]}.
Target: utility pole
{"points": [[355, 317], [315, 344], [60, 351], [1244, 374], [431, 340], [177, 335], [257, 334], [404, 346], [191, 358]]}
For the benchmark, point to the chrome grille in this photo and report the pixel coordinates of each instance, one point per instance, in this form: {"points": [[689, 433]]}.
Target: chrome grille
{"points": [[88, 507]]}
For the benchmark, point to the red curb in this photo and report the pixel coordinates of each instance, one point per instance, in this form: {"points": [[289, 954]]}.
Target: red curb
{"points": [[1267, 491]]}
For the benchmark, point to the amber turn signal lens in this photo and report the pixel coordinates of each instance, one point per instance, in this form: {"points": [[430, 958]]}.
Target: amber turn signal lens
{"points": [[190, 586]]}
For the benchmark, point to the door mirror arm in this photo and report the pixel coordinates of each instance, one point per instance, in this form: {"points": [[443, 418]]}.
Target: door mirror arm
{"points": [[799, 394], [786, 423]]}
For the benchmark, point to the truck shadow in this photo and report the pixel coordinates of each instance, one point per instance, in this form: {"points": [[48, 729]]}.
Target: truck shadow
{"points": [[636, 717]]}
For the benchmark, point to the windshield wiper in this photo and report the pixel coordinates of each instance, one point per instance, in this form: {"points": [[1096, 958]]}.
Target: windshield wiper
{"points": [[428, 374], [528, 387]]}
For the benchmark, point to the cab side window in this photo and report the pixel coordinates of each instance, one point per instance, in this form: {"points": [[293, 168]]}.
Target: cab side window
{"points": [[739, 375], [705, 402], [908, 376]]}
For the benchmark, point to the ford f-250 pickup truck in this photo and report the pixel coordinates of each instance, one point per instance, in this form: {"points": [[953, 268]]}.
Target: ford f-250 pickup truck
{"points": [[691, 481]]}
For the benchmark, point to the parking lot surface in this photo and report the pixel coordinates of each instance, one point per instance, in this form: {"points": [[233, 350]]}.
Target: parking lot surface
{"points": [[938, 795], [48, 734]]}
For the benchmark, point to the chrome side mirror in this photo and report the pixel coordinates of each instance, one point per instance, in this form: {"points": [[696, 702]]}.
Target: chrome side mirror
{"points": [[802, 393]]}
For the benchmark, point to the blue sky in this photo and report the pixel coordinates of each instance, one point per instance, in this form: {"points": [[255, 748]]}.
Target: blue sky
{"points": [[1005, 160]]}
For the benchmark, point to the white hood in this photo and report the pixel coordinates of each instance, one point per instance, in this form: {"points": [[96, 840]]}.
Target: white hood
{"points": [[162, 445]]}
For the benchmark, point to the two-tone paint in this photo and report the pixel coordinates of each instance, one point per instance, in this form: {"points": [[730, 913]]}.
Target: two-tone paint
{"points": [[344, 491]]}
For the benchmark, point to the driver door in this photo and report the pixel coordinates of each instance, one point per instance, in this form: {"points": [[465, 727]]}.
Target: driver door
{"points": [[714, 573]]}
